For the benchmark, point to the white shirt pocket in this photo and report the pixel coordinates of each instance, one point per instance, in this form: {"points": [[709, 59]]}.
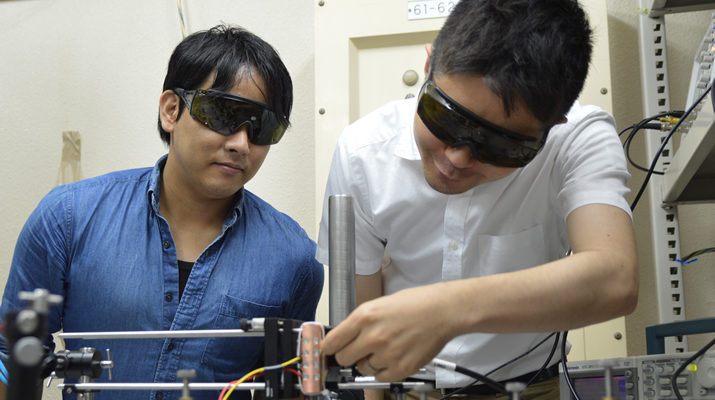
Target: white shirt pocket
{"points": [[509, 253]]}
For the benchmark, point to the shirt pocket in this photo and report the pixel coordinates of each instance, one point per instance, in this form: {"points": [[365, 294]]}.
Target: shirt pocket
{"points": [[513, 252], [231, 358]]}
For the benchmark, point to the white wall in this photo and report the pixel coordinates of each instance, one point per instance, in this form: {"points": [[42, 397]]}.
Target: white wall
{"points": [[97, 67]]}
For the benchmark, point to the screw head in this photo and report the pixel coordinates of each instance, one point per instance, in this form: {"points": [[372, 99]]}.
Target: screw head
{"points": [[27, 321], [617, 335], [410, 77], [321, 111], [321, 3], [604, 90]]}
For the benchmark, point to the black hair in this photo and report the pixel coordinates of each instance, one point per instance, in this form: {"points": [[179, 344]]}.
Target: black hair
{"points": [[534, 53], [229, 53]]}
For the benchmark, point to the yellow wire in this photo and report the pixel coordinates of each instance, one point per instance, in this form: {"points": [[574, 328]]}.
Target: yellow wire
{"points": [[257, 371], [181, 18]]}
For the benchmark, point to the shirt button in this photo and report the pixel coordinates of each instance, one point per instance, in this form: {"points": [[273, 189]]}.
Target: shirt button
{"points": [[169, 297], [453, 245], [159, 395], [170, 347], [166, 246]]}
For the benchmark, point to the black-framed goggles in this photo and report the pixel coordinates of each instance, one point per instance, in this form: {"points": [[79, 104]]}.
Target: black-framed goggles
{"points": [[457, 126], [226, 113]]}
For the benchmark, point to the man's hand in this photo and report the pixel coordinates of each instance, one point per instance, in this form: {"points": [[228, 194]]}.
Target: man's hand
{"points": [[398, 334], [393, 336]]}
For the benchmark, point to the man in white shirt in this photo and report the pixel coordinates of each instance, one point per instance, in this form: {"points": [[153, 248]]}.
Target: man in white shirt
{"points": [[474, 191]]}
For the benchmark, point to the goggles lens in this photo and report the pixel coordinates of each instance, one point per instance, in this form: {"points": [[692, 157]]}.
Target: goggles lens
{"points": [[457, 126], [226, 113]]}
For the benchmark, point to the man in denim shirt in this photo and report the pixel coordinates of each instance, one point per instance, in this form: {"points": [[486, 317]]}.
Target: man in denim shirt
{"points": [[181, 246]]}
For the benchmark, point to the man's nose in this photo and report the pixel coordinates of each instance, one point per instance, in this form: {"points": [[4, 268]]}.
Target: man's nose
{"points": [[238, 141], [460, 157]]}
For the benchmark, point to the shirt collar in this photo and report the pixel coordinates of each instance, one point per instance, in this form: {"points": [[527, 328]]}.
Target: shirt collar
{"points": [[406, 146], [155, 186]]}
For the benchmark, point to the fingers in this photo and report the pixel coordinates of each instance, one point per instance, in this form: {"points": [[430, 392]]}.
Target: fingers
{"points": [[338, 342], [393, 371], [366, 368]]}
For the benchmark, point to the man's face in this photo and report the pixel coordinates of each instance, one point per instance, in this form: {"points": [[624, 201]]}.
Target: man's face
{"points": [[453, 170], [208, 164]]}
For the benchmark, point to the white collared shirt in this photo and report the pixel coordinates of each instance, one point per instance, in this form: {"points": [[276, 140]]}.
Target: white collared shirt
{"points": [[514, 223]]}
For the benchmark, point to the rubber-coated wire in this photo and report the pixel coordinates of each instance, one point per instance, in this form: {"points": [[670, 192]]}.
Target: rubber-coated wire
{"points": [[645, 124], [665, 141], [521, 356], [488, 381], [636, 127], [567, 376], [182, 25], [699, 252], [629, 140], [685, 364], [556, 342], [625, 129], [233, 385], [548, 359]]}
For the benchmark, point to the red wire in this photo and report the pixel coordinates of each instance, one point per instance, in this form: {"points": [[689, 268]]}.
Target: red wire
{"points": [[220, 396], [293, 371]]}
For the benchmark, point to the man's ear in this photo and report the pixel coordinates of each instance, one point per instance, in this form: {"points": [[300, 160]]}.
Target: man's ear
{"points": [[169, 110], [428, 48]]}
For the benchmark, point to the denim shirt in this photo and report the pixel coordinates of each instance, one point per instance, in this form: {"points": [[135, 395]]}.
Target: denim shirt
{"points": [[102, 244]]}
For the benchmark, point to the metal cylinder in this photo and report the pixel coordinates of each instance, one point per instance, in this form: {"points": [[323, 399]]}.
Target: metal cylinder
{"points": [[341, 261]]}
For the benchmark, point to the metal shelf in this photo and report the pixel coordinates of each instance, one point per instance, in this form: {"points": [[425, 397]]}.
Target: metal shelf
{"points": [[657, 8], [690, 177]]}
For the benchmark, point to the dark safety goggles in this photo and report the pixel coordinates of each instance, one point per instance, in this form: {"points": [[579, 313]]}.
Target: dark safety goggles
{"points": [[226, 113], [457, 126]]}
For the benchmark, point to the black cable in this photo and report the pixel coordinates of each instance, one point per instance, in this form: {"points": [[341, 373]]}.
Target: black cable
{"points": [[625, 129], [543, 367], [629, 140], [662, 146], [488, 381], [639, 126], [517, 358], [565, 367], [685, 365], [699, 252], [460, 390], [644, 124]]}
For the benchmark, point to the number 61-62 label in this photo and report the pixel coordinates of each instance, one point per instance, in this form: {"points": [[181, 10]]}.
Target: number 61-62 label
{"points": [[429, 9]]}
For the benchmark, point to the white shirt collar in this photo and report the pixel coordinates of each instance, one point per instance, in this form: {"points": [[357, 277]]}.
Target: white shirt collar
{"points": [[407, 147]]}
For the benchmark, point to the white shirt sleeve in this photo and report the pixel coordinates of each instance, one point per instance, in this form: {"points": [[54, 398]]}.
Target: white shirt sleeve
{"points": [[591, 166]]}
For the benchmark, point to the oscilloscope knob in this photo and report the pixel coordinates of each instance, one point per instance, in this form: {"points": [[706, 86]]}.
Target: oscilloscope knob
{"points": [[706, 373]]}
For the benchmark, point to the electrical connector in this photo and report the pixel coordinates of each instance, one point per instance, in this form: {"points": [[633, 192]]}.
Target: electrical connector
{"points": [[670, 120]]}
